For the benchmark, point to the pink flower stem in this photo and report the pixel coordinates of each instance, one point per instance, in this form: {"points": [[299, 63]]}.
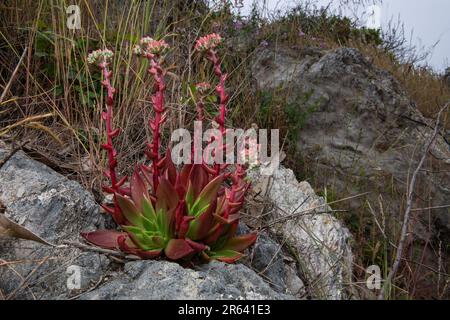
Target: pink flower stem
{"points": [[223, 97], [110, 133], [155, 124]]}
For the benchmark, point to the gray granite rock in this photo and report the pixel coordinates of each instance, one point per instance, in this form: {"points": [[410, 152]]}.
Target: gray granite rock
{"points": [[55, 208], [267, 257], [320, 241], [164, 280], [361, 130]]}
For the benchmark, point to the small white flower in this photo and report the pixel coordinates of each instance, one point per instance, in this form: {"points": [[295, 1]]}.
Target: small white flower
{"points": [[148, 47], [100, 56]]}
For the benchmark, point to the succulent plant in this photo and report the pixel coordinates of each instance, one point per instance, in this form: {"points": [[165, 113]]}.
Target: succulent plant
{"points": [[185, 214]]}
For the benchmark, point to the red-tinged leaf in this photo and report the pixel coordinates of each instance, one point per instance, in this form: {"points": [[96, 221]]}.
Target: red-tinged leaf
{"points": [[149, 254], [235, 211], [160, 163], [177, 249], [166, 196], [181, 190], [199, 179], [240, 243], [148, 175], [227, 256], [179, 215], [221, 206], [125, 191], [233, 228], [129, 211], [184, 174], [198, 247], [208, 195], [184, 226], [121, 181], [107, 189], [138, 190], [170, 168], [117, 214], [127, 245], [107, 209], [201, 225], [107, 239], [233, 205], [215, 233], [231, 218], [106, 147]]}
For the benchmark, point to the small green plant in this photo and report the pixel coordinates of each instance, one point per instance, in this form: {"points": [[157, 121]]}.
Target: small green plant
{"points": [[186, 214]]}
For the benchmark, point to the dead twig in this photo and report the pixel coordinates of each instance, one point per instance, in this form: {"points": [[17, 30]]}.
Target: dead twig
{"points": [[409, 200], [303, 212], [101, 250], [11, 79], [28, 277]]}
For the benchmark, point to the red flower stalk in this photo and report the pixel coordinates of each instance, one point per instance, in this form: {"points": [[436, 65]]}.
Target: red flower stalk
{"points": [[152, 50], [208, 45], [102, 59]]}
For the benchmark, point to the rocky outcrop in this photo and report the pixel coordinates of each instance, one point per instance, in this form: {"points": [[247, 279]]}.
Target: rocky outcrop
{"points": [[275, 267], [57, 209], [362, 132], [359, 132], [305, 223], [143, 280]]}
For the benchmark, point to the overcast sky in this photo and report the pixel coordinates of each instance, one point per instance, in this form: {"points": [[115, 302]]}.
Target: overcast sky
{"points": [[428, 19]]}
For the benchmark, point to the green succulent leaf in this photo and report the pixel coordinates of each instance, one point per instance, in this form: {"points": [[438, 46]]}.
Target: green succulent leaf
{"points": [[240, 243], [206, 196], [143, 240], [148, 211], [227, 256], [190, 197], [138, 190], [130, 211]]}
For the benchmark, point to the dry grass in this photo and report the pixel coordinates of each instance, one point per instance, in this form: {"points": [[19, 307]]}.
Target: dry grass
{"points": [[426, 88]]}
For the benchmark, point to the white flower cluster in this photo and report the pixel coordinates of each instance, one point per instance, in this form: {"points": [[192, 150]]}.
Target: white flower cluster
{"points": [[148, 46], [209, 42], [99, 56]]}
